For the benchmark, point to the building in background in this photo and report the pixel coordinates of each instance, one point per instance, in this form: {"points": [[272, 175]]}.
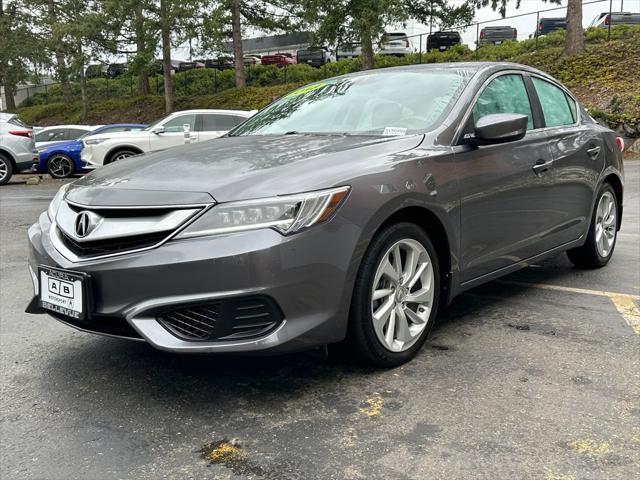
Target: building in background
{"points": [[288, 43]]}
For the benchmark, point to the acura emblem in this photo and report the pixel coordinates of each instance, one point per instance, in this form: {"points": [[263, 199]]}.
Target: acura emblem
{"points": [[83, 224]]}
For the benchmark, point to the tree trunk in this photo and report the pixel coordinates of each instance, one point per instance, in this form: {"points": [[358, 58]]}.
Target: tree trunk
{"points": [[83, 93], [63, 76], [61, 66], [367, 49], [237, 44], [574, 41], [165, 33], [141, 47], [8, 93]]}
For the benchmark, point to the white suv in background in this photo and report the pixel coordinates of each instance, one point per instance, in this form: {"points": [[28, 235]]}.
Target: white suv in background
{"points": [[17, 147], [169, 131]]}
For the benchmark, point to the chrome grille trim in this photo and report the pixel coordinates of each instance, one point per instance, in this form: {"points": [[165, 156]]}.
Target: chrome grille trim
{"points": [[118, 227], [57, 242]]}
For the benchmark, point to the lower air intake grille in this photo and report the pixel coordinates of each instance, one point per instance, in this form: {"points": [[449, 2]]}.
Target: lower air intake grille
{"points": [[223, 320]]}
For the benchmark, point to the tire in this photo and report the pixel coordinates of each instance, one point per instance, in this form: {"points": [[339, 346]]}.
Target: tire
{"points": [[61, 166], [120, 154], [371, 344], [601, 239], [6, 169]]}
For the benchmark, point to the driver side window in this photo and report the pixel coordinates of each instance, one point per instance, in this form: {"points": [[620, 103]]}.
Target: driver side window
{"points": [[504, 94], [177, 124]]}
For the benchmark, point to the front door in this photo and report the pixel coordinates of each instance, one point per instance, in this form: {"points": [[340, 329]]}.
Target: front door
{"points": [[504, 187], [174, 132]]}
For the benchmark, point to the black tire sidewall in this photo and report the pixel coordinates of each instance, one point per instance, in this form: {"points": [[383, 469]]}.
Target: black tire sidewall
{"points": [[591, 239], [73, 166], [361, 331], [7, 162]]}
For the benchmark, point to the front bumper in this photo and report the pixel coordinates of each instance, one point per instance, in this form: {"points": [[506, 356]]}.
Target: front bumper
{"points": [[308, 275]]}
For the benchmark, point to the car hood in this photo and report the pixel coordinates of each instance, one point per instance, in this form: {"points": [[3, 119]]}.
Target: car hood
{"points": [[238, 168]]}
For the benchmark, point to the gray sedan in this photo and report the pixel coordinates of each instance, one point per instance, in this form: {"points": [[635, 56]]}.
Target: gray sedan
{"points": [[348, 211]]}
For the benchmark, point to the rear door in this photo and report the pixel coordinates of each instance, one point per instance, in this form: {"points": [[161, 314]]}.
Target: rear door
{"points": [[214, 125], [504, 187], [578, 154]]}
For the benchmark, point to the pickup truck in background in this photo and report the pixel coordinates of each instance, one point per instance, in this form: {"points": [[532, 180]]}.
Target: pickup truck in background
{"points": [[497, 35], [443, 40], [315, 56]]}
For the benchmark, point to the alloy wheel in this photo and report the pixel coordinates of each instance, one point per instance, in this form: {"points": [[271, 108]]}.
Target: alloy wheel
{"points": [[402, 295], [606, 225], [60, 166], [122, 156], [4, 169]]}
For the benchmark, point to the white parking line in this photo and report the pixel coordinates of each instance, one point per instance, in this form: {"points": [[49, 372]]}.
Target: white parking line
{"points": [[624, 302]]}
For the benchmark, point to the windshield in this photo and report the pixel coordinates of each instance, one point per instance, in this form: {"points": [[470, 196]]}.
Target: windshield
{"points": [[157, 122], [382, 103]]}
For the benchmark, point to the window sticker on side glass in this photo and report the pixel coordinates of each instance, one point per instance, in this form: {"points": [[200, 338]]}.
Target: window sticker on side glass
{"points": [[394, 131]]}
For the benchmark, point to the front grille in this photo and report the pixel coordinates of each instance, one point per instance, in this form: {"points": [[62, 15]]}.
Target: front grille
{"points": [[224, 320], [113, 245]]}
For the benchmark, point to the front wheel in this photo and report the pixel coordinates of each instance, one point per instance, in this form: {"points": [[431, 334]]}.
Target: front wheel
{"points": [[395, 298], [601, 239], [121, 155], [60, 166]]}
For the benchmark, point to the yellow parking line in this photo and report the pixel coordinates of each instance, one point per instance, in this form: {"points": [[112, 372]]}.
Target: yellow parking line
{"points": [[628, 310], [624, 302]]}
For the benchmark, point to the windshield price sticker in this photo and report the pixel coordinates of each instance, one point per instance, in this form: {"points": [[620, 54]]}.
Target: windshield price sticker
{"points": [[394, 131]]}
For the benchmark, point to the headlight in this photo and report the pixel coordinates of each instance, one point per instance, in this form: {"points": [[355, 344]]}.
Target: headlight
{"points": [[94, 141], [57, 200], [286, 214]]}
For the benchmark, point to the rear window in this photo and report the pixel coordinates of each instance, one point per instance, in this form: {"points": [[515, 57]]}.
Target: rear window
{"points": [[555, 104], [16, 121]]}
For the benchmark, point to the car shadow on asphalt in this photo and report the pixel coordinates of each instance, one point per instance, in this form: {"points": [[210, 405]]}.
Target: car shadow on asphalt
{"points": [[116, 367]]}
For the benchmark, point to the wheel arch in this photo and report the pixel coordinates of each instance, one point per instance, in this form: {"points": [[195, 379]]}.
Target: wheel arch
{"points": [[428, 221], [616, 183], [114, 150], [8, 154]]}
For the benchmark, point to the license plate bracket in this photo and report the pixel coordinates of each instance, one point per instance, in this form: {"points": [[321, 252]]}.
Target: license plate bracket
{"points": [[65, 292]]}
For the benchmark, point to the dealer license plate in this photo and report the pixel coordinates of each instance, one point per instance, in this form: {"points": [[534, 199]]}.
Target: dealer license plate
{"points": [[63, 292]]}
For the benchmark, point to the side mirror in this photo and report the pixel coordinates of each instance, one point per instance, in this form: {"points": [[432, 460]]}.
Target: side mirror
{"points": [[157, 130], [499, 128]]}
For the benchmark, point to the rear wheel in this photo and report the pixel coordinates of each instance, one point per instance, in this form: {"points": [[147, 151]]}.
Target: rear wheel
{"points": [[6, 169], [395, 298], [60, 166], [601, 239]]}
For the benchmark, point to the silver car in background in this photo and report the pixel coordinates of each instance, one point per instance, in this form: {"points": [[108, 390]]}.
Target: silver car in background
{"points": [[17, 147]]}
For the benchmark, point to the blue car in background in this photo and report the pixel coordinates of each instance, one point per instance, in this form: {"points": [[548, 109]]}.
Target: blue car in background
{"points": [[63, 159]]}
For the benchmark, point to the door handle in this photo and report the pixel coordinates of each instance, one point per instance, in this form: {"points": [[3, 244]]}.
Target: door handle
{"points": [[593, 151], [542, 166]]}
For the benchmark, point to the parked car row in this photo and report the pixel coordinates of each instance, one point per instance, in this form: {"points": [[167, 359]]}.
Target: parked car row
{"points": [[65, 150]]}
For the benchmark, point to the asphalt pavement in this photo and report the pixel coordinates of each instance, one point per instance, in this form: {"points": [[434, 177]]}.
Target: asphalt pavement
{"points": [[536, 375]]}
